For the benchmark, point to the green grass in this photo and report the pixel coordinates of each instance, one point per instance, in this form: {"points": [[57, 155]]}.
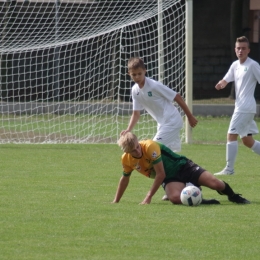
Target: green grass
{"points": [[213, 130], [210, 130], [218, 101], [55, 203], [95, 128]]}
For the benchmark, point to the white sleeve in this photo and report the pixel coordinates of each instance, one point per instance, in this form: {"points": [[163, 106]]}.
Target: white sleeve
{"points": [[256, 71], [166, 92], [136, 105], [229, 77]]}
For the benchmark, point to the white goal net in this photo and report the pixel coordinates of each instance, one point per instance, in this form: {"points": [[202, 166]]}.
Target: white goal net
{"points": [[63, 66]]}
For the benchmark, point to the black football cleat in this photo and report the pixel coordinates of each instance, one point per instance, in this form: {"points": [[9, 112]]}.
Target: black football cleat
{"points": [[236, 198], [211, 201]]}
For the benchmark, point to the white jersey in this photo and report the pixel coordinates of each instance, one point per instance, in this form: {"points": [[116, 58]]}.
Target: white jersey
{"points": [[157, 100], [245, 76]]}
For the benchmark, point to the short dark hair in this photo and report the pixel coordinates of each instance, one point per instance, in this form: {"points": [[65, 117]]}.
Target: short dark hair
{"points": [[243, 39], [135, 63]]}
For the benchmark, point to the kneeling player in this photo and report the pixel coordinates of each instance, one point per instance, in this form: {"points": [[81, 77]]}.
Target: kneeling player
{"points": [[171, 170]]}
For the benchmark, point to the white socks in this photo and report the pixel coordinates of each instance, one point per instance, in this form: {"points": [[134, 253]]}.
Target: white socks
{"points": [[256, 147], [231, 154]]}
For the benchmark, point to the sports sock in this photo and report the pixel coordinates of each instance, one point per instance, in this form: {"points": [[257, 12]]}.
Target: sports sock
{"points": [[231, 154], [256, 147], [227, 190]]}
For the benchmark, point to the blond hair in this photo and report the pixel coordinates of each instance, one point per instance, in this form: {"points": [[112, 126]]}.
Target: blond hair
{"points": [[135, 63], [127, 142]]}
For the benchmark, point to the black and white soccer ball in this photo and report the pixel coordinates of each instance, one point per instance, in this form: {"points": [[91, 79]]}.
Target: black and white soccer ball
{"points": [[191, 196]]}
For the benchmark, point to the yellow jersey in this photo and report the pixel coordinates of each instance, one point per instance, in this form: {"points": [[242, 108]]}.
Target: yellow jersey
{"points": [[152, 153]]}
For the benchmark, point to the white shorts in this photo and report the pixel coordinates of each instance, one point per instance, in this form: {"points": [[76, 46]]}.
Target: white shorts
{"points": [[243, 124], [169, 136]]}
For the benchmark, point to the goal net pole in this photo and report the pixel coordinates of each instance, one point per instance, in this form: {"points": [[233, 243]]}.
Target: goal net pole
{"points": [[63, 66], [160, 43], [188, 70]]}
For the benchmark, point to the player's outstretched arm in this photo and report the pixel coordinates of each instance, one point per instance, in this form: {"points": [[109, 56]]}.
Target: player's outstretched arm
{"points": [[159, 177], [179, 100], [133, 120], [221, 84], [123, 183]]}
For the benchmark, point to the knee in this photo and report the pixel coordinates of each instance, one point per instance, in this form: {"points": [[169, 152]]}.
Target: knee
{"points": [[248, 141], [175, 198], [245, 143], [217, 185]]}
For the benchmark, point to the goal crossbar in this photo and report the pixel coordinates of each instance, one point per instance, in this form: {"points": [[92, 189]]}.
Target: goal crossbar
{"points": [[63, 66]]}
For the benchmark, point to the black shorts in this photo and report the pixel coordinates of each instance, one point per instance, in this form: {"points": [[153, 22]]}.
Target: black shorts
{"points": [[190, 172]]}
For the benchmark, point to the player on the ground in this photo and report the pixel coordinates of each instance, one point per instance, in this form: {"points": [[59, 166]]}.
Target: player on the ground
{"points": [[171, 170], [245, 73], [157, 99]]}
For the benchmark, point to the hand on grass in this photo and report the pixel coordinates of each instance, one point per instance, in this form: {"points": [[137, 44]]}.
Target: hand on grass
{"points": [[147, 200]]}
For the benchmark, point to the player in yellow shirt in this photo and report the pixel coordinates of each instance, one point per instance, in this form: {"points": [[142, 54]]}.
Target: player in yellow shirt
{"points": [[172, 171]]}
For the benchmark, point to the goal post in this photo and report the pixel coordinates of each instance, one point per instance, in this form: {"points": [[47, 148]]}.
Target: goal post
{"points": [[63, 66], [189, 67]]}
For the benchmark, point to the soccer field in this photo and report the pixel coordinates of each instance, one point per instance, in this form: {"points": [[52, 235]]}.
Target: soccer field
{"points": [[56, 204]]}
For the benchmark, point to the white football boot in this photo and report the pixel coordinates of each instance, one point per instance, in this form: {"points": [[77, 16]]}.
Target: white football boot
{"points": [[225, 172]]}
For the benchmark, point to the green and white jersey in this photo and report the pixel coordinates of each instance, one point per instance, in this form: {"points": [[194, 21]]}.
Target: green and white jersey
{"points": [[245, 76], [157, 100], [172, 162]]}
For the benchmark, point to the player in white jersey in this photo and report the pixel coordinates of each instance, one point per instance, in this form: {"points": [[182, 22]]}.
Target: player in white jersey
{"points": [[245, 73], [157, 99]]}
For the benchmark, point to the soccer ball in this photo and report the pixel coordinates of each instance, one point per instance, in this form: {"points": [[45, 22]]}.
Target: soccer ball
{"points": [[191, 196]]}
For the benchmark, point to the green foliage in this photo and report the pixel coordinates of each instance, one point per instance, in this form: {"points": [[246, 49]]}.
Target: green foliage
{"points": [[56, 204]]}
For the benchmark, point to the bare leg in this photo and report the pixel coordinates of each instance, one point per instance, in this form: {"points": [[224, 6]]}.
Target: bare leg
{"points": [[210, 181], [173, 191]]}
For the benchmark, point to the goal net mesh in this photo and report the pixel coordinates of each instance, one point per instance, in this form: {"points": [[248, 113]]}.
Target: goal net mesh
{"points": [[63, 66]]}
